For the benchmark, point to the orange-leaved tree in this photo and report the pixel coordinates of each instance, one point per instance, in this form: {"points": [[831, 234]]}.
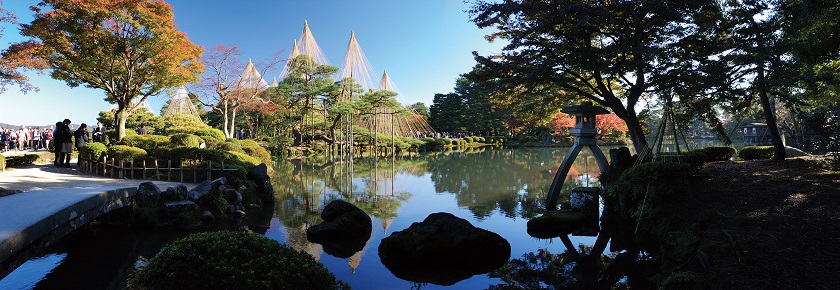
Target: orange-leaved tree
{"points": [[605, 123], [16, 58], [128, 48]]}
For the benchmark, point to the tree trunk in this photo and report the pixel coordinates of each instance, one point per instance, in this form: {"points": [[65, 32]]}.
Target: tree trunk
{"points": [[637, 135], [225, 120], [233, 123], [769, 117], [121, 115]]}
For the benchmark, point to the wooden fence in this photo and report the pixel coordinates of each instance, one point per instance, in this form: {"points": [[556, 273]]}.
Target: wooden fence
{"points": [[154, 170]]}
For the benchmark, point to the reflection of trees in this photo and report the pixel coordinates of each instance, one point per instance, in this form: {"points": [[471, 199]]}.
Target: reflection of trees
{"points": [[483, 180], [304, 186], [573, 269], [513, 181]]}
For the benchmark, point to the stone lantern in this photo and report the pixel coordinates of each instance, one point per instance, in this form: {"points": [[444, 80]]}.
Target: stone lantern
{"points": [[584, 132]]}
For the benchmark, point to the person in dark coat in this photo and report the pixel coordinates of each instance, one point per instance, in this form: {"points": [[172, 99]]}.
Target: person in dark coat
{"points": [[57, 140], [65, 145], [81, 135], [98, 132]]}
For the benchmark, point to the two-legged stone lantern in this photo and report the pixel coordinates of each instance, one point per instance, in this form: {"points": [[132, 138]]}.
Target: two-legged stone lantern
{"points": [[584, 132]]}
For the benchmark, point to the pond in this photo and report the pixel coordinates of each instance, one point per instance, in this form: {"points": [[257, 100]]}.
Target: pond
{"points": [[497, 189]]}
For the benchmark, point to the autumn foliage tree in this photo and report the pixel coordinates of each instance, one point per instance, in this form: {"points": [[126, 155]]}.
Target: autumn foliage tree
{"points": [[128, 48], [228, 87], [609, 52], [609, 123], [17, 58]]}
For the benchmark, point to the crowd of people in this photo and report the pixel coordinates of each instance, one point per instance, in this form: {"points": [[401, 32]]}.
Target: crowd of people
{"points": [[61, 138], [25, 138]]}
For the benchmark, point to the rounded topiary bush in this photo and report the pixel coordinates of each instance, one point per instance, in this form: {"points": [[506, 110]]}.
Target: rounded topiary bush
{"points": [[756, 152], [213, 133], [719, 153], [126, 153], [233, 260], [229, 145], [253, 149], [94, 150], [185, 140], [146, 142]]}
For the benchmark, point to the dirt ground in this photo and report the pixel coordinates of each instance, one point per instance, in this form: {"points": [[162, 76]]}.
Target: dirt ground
{"points": [[767, 225]]}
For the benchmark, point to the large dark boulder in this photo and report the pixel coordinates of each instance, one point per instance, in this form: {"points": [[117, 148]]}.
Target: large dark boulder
{"points": [[204, 188], [554, 224], [442, 250], [259, 175], [345, 229], [175, 193], [148, 195]]}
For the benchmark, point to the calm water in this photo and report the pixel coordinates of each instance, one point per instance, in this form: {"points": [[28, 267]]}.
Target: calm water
{"points": [[493, 188]]}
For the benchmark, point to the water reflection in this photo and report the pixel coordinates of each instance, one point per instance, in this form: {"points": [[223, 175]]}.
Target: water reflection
{"points": [[499, 189]]}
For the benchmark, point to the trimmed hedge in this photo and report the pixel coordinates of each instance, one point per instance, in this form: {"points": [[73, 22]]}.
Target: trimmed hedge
{"points": [[146, 142], [213, 133], [185, 140], [233, 260], [126, 153], [718, 153], [94, 150], [229, 145], [238, 160], [253, 149], [756, 152]]}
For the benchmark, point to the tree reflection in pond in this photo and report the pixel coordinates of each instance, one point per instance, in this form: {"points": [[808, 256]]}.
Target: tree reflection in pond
{"points": [[499, 187]]}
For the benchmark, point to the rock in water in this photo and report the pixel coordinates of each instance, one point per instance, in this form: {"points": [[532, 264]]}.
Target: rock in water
{"points": [[443, 249]]}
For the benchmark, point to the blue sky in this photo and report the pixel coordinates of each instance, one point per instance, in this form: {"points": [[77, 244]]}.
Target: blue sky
{"points": [[424, 46]]}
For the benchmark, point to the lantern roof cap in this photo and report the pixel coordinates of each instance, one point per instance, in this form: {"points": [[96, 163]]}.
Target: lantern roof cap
{"points": [[584, 108]]}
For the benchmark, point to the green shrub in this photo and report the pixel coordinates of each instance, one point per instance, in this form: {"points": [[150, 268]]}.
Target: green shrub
{"points": [[94, 150], [201, 157], [756, 152], [229, 145], [654, 184], [210, 133], [2, 162], [718, 153], [447, 141], [111, 134], [232, 260], [185, 140], [126, 153], [440, 142], [145, 142], [253, 149], [482, 139], [469, 139]]}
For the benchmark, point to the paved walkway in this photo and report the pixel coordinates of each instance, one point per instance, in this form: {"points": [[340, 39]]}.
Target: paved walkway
{"points": [[46, 176], [52, 194]]}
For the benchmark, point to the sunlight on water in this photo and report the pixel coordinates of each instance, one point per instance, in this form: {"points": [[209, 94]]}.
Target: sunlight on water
{"points": [[31, 272]]}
